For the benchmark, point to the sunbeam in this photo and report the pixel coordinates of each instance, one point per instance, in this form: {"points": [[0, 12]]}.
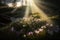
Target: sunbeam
{"points": [[34, 9], [27, 9]]}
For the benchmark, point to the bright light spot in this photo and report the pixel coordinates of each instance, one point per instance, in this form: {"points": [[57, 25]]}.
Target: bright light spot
{"points": [[40, 30], [10, 4], [43, 27], [24, 2], [51, 25], [24, 35], [37, 32], [18, 4]]}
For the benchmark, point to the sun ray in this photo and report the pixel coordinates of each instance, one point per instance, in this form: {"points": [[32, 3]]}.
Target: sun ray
{"points": [[34, 8]]}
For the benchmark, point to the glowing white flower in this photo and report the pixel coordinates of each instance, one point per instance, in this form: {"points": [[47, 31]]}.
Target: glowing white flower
{"points": [[40, 30], [43, 27], [30, 33]]}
